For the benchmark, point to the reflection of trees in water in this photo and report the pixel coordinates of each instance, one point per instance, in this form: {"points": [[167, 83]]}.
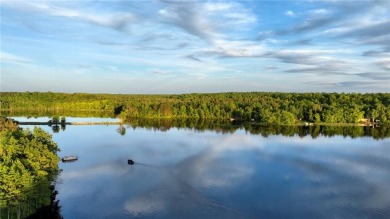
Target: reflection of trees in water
{"points": [[63, 127], [57, 128], [45, 205], [55, 123], [51, 210], [225, 126], [315, 131], [121, 130], [28, 165]]}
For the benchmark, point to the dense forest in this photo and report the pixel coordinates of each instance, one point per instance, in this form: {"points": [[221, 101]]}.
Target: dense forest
{"points": [[270, 108], [28, 166]]}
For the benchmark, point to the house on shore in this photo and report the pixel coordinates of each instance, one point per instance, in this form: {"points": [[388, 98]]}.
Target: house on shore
{"points": [[369, 121]]}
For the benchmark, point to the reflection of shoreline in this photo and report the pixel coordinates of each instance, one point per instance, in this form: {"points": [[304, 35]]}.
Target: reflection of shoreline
{"points": [[226, 127], [245, 172], [70, 123]]}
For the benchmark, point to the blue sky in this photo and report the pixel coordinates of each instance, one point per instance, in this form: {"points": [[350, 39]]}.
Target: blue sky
{"points": [[173, 46]]}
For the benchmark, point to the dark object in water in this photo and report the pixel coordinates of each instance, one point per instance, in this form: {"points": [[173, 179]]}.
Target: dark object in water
{"points": [[130, 162], [69, 159]]}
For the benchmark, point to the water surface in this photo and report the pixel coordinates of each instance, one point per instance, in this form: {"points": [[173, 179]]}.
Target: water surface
{"points": [[187, 173]]}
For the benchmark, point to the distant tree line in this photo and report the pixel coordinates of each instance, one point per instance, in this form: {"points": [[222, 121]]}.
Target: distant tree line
{"points": [[270, 108]]}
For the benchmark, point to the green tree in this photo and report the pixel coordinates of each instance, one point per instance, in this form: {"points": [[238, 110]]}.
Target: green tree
{"points": [[331, 107], [28, 165]]}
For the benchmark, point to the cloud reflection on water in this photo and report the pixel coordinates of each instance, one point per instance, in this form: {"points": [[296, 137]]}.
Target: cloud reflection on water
{"points": [[206, 174]]}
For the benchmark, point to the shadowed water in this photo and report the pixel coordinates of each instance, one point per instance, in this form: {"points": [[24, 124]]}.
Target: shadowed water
{"points": [[187, 173]]}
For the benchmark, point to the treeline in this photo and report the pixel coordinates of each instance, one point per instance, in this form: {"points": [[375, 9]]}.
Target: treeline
{"points": [[28, 167], [270, 108]]}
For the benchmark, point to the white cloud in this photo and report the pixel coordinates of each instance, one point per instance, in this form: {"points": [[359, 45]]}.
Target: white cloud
{"points": [[231, 13], [14, 59], [319, 12], [206, 20], [116, 20], [144, 206], [290, 13], [200, 39], [384, 63], [238, 48], [217, 6]]}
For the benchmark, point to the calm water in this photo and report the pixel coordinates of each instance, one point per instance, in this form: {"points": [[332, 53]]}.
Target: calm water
{"points": [[185, 173]]}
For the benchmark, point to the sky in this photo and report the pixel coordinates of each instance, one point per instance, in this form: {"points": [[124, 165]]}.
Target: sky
{"points": [[180, 46]]}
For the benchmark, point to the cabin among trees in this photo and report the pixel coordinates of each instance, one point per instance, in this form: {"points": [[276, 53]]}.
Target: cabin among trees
{"points": [[370, 121]]}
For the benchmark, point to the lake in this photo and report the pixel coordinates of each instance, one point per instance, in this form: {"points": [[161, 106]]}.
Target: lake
{"points": [[222, 173]]}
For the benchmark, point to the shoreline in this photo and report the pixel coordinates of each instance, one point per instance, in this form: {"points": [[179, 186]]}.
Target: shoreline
{"points": [[243, 123], [69, 123]]}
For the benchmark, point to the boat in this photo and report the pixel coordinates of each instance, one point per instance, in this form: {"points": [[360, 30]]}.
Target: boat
{"points": [[130, 162], [69, 158]]}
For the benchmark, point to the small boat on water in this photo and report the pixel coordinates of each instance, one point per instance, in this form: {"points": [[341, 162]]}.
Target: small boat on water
{"points": [[69, 158], [130, 162]]}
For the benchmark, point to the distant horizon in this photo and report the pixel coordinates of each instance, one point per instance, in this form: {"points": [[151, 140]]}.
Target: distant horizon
{"points": [[183, 47], [223, 92]]}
